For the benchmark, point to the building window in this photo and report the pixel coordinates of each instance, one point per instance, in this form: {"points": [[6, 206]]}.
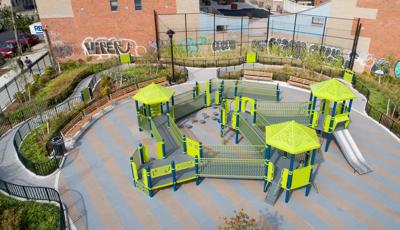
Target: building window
{"points": [[114, 5], [221, 28], [138, 4]]}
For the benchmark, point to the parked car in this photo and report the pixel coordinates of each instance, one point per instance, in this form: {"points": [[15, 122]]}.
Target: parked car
{"points": [[8, 49], [28, 39], [2, 60]]}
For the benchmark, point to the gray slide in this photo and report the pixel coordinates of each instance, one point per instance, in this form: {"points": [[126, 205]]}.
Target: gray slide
{"points": [[351, 152]]}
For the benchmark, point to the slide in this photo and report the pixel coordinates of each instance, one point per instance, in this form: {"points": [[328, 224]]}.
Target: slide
{"points": [[351, 152]]}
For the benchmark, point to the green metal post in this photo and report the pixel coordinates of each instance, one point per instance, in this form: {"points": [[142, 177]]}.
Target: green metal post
{"points": [[140, 125], [201, 149], [184, 147], [163, 148], [278, 93], [255, 112], [237, 129], [289, 181], [236, 88], [168, 107], [267, 157], [308, 188], [173, 176], [330, 131], [168, 121], [137, 106], [133, 173], [151, 133], [309, 103], [149, 182], [141, 154], [312, 110], [343, 107], [196, 169]]}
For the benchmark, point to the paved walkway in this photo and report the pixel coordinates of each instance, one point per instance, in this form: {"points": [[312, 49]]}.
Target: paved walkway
{"points": [[96, 183], [13, 171]]}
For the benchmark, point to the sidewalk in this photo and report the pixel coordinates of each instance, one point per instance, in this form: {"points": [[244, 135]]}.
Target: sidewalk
{"points": [[37, 51], [13, 171]]}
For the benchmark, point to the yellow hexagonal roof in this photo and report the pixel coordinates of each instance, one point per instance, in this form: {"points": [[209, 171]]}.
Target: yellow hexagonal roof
{"points": [[332, 90], [154, 94], [292, 137]]}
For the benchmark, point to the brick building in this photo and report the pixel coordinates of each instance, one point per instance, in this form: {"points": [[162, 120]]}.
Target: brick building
{"points": [[79, 28]]}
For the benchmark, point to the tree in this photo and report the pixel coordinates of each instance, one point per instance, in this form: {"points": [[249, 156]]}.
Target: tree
{"points": [[22, 22]]}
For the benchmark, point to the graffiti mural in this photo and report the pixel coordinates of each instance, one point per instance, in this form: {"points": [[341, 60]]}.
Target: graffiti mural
{"points": [[381, 64], [194, 45], [59, 48], [397, 69], [331, 53], [111, 46], [225, 45]]}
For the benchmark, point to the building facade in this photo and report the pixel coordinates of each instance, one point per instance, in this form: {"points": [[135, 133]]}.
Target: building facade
{"points": [[80, 28]]}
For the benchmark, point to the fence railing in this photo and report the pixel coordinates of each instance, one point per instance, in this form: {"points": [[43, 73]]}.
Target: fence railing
{"points": [[17, 84], [49, 166], [36, 194]]}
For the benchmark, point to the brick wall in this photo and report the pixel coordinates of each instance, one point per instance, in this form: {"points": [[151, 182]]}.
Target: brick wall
{"points": [[96, 24], [384, 31]]}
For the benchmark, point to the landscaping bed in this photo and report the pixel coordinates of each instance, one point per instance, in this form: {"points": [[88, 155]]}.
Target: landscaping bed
{"points": [[15, 214]]}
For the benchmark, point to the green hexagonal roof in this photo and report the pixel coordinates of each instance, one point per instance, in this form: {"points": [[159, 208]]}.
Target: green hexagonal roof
{"points": [[154, 94], [332, 90], [292, 137]]}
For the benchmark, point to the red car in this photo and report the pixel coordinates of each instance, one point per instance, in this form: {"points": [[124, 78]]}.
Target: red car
{"points": [[8, 50], [28, 39]]}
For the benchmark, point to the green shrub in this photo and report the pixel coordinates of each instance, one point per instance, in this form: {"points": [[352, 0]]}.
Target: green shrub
{"points": [[20, 97], [49, 71], [106, 91], [15, 214]]}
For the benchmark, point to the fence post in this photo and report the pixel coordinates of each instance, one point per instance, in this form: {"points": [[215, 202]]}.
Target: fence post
{"points": [[173, 176], [8, 93], [277, 92], [196, 169], [149, 182], [26, 195], [184, 147], [47, 193]]}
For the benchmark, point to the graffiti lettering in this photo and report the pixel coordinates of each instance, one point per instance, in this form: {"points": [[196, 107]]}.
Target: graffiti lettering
{"points": [[223, 45], [111, 46], [397, 69]]}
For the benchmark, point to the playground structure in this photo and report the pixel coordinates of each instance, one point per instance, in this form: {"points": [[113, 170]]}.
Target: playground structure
{"points": [[282, 135]]}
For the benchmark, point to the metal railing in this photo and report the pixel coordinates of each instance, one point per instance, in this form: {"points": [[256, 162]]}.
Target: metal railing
{"points": [[18, 83], [37, 194], [49, 166]]}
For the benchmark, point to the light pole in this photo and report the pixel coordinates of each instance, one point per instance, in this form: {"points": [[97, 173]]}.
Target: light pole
{"points": [[170, 34]]}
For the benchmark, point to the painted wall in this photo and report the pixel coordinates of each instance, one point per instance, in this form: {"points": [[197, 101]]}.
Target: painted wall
{"points": [[95, 30], [55, 8]]}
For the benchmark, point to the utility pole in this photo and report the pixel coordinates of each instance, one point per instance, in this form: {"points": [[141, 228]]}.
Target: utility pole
{"points": [[15, 31], [47, 38]]}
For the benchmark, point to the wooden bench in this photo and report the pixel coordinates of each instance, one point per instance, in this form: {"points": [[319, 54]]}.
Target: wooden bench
{"points": [[300, 82], [257, 75]]}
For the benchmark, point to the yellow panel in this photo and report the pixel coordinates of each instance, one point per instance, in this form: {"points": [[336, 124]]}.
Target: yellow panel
{"points": [[160, 171], [208, 94], [327, 106], [135, 171], [184, 165], [301, 177], [192, 147], [198, 89], [163, 185], [223, 115], [315, 119], [187, 179], [236, 105], [246, 100], [146, 155], [234, 122], [284, 178], [159, 150], [271, 170], [144, 178], [217, 98]]}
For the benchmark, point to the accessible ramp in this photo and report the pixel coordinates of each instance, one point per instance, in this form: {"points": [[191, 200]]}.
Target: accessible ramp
{"points": [[249, 131], [172, 146], [351, 151]]}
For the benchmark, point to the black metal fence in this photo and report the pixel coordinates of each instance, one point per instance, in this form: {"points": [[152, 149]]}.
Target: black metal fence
{"points": [[36, 194], [49, 166], [17, 84]]}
